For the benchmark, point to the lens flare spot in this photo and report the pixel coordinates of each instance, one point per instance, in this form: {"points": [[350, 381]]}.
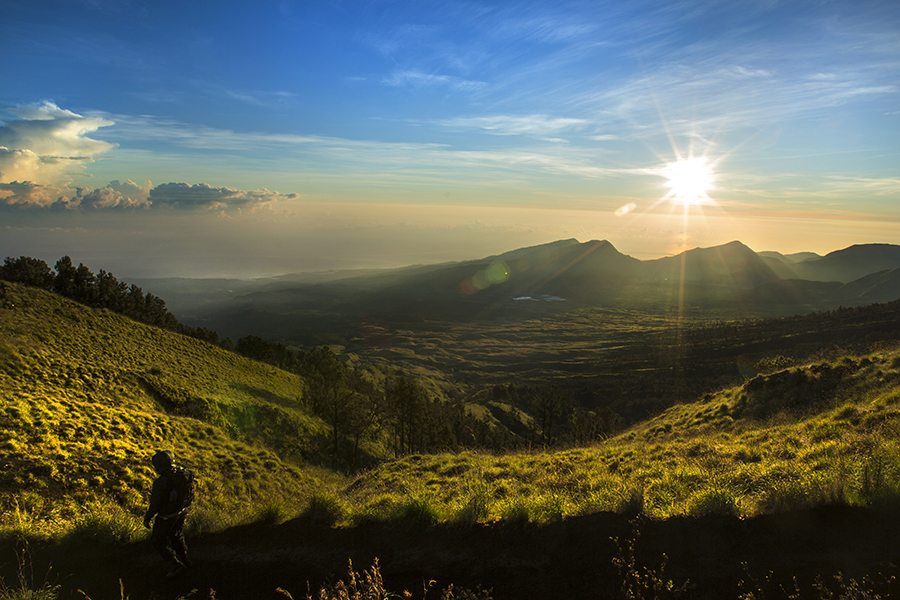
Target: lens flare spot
{"points": [[624, 210], [496, 273]]}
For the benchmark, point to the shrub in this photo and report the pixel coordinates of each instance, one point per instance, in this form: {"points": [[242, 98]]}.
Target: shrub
{"points": [[515, 510], [640, 581], [20, 525], [783, 496], [416, 513], [714, 501], [105, 522], [273, 511], [630, 501], [477, 505], [549, 506], [325, 509]]}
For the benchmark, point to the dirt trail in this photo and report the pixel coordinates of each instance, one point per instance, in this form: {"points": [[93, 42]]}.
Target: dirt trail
{"points": [[569, 559]]}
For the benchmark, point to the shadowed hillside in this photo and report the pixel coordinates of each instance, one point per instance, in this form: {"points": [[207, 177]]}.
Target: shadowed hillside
{"points": [[730, 281], [850, 263]]}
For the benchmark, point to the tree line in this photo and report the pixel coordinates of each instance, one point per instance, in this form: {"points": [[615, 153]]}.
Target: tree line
{"points": [[395, 410], [102, 290]]}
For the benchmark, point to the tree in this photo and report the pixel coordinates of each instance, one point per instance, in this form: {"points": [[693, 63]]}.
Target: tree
{"points": [[588, 426], [327, 378], [405, 402], [29, 271], [547, 406], [85, 286], [363, 410], [64, 282], [111, 293]]}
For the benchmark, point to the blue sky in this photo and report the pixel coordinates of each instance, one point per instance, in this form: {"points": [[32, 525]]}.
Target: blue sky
{"points": [[253, 138]]}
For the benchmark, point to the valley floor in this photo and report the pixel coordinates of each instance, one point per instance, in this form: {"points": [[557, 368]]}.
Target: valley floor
{"points": [[574, 558]]}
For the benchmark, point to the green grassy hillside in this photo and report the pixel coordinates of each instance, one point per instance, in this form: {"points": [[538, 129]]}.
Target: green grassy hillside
{"points": [[88, 396], [812, 435]]}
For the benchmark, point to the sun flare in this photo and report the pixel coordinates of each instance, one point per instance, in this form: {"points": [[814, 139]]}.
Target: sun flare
{"points": [[689, 181]]}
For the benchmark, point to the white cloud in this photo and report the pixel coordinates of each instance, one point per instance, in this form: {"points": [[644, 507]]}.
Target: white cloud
{"points": [[418, 79], [46, 141], [206, 197], [540, 125], [119, 196], [879, 186], [46, 111], [116, 195], [27, 195]]}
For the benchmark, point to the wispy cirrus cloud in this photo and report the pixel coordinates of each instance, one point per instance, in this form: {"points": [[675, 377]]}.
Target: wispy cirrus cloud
{"points": [[394, 163], [746, 80], [878, 186], [417, 79], [537, 125], [261, 98]]}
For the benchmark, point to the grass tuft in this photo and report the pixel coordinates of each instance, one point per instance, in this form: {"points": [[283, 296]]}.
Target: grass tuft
{"points": [[25, 587], [416, 513], [476, 504], [104, 522], [714, 502], [369, 585], [325, 509]]}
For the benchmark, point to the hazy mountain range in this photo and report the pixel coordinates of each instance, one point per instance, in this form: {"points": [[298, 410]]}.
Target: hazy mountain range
{"points": [[554, 277]]}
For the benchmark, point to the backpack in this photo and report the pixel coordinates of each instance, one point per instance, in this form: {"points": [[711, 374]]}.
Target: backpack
{"points": [[181, 489]]}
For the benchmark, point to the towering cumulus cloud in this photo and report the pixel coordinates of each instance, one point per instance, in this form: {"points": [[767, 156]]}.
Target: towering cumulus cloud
{"points": [[39, 150], [45, 141]]}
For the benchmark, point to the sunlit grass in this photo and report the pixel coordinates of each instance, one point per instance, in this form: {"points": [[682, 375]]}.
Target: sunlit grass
{"points": [[815, 435], [88, 395]]}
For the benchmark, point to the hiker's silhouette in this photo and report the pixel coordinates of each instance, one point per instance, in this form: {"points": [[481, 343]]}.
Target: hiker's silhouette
{"points": [[170, 499]]}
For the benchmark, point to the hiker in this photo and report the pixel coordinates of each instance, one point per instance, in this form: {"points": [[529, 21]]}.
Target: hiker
{"points": [[169, 501]]}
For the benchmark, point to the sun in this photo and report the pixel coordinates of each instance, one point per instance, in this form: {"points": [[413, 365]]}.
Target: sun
{"points": [[689, 181]]}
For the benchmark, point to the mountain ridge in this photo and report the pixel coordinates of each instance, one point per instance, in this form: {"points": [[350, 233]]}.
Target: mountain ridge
{"points": [[730, 281]]}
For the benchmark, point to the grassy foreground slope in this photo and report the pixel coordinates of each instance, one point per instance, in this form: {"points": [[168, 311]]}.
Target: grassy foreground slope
{"points": [[812, 435], [88, 395]]}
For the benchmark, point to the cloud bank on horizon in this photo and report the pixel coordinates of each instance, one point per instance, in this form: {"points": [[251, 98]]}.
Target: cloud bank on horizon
{"points": [[479, 112], [38, 152]]}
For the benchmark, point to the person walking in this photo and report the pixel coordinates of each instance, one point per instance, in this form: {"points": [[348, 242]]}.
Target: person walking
{"points": [[170, 499]]}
